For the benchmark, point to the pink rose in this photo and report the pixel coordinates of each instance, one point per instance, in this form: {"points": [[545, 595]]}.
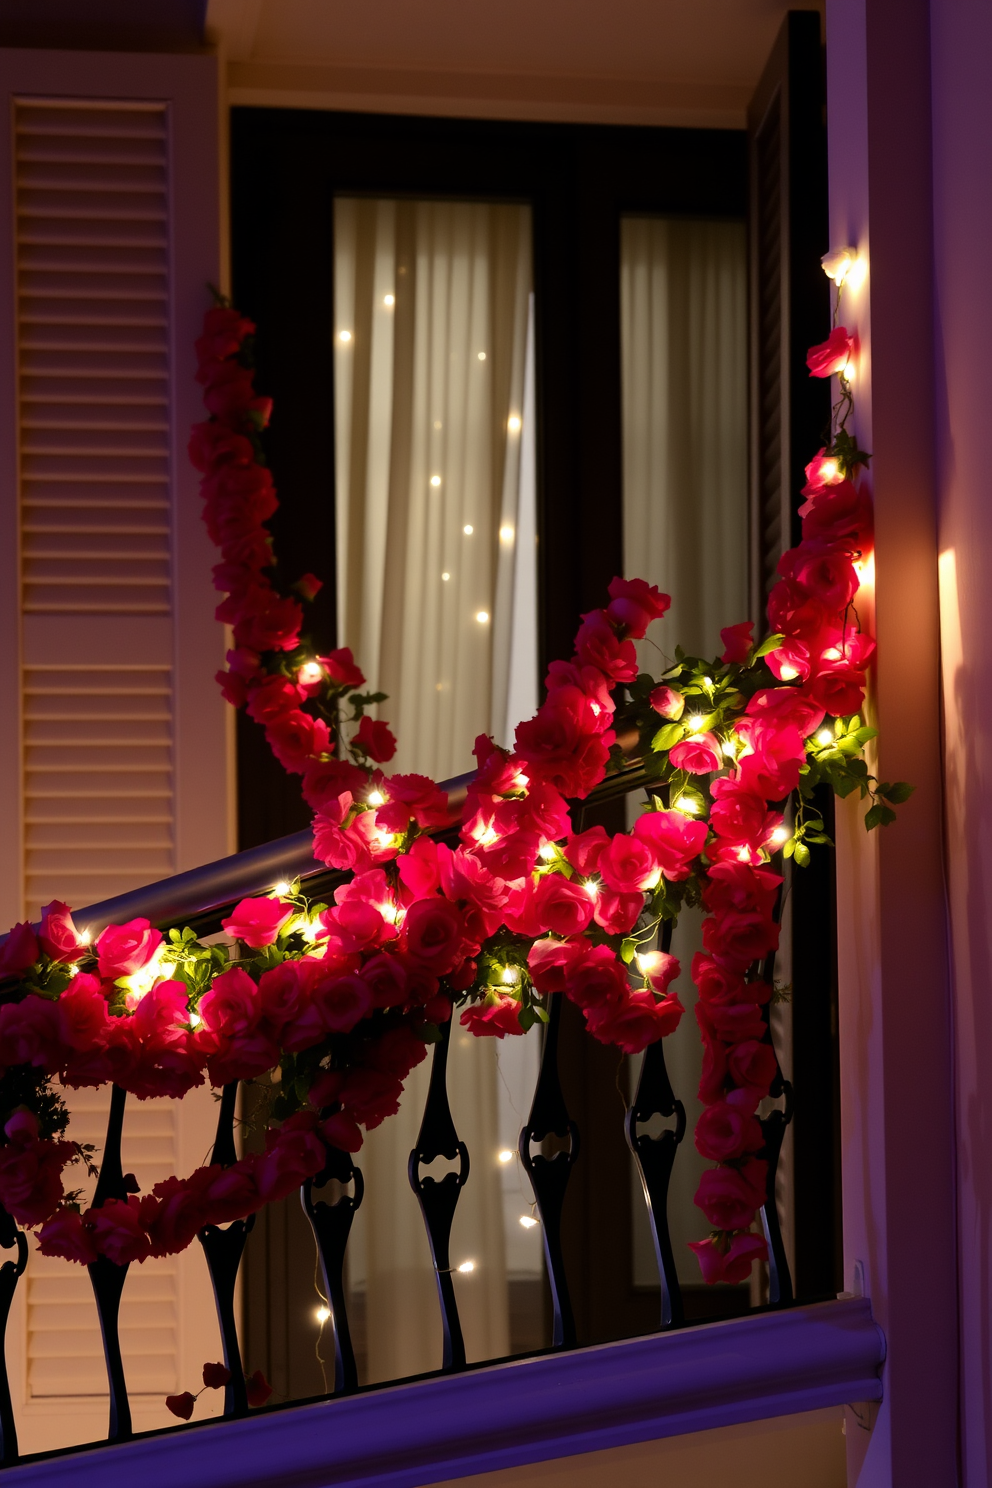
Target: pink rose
{"points": [[824, 570], [19, 951], [387, 977], [668, 702], [832, 355], [659, 969], [550, 962], [493, 1018], [740, 936], [118, 1232], [731, 1022], [640, 1020], [737, 642], [230, 1005], [66, 1236], [553, 903], [786, 705], [271, 697], [124, 949], [341, 669], [597, 645], [629, 865], [752, 1066], [374, 739], [731, 1264], [739, 886], [282, 996], [699, 754], [584, 849], [29, 1034], [634, 604], [258, 922], [558, 745], [839, 514], [325, 780], [295, 739], [724, 1131], [432, 935], [58, 935], [675, 838], [729, 1197], [415, 796], [617, 913], [839, 690], [598, 980]]}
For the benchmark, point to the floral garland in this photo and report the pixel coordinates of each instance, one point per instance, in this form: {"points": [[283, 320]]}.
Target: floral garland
{"points": [[341, 1002]]}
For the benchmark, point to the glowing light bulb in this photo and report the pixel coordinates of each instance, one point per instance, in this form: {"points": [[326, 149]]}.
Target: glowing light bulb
{"points": [[505, 1156], [511, 975], [85, 936], [857, 273], [528, 1221], [837, 263], [687, 804], [591, 887], [707, 681], [487, 837], [779, 836], [468, 529], [466, 1267], [549, 852], [389, 912], [344, 336], [322, 1314], [506, 534], [787, 673], [744, 854], [513, 423], [521, 781], [649, 963], [832, 653], [376, 798], [829, 470], [435, 480], [73, 971], [309, 672], [445, 577], [389, 299], [695, 722], [848, 372], [384, 839], [195, 1020], [482, 616], [482, 356], [729, 748], [825, 736], [282, 887]]}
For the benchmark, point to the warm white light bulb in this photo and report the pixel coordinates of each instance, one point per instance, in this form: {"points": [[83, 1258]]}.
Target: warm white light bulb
{"points": [[787, 673], [445, 577], [482, 356], [779, 836], [466, 1267], [376, 798], [837, 263], [591, 887], [513, 423], [687, 804], [344, 336], [322, 1314], [506, 534], [468, 529], [195, 1020], [282, 887], [848, 372], [435, 480], [85, 936], [521, 781], [482, 616], [695, 722], [832, 653], [528, 1221], [505, 1156], [389, 299], [729, 748], [511, 975], [549, 852], [825, 736], [310, 672]]}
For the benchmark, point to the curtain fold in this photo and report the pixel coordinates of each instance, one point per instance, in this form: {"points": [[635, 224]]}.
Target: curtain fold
{"points": [[436, 573]]}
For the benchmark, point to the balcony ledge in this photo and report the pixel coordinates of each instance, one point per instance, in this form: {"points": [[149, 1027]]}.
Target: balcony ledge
{"points": [[503, 1415]]}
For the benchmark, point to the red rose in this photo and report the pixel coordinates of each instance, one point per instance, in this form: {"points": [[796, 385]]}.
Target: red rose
{"points": [[262, 620], [124, 949], [838, 690], [29, 1034], [397, 1052], [341, 669], [739, 886], [737, 642], [795, 613], [617, 913], [258, 922], [81, 1011], [634, 604], [118, 1232], [19, 951], [230, 1005], [224, 329], [731, 1022], [257, 1389], [597, 980], [659, 969], [713, 1077], [272, 696], [31, 1174], [724, 1131], [737, 813], [832, 355], [388, 979], [325, 780], [282, 995], [58, 935], [839, 514], [730, 1197], [790, 660], [432, 935], [212, 444], [732, 1263], [66, 1236], [675, 838], [559, 745], [640, 1020], [553, 903], [752, 1067], [786, 705], [414, 796], [740, 936], [494, 1018], [466, 882], [776, 753], [824, 570], [374, 739], [668, 702], [551, 961], [295, 739], [717, 983], [597, 645], [584, 849], [699, 754]]}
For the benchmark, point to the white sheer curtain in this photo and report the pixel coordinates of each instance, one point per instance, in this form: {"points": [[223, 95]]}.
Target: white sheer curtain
{"points": [[683, 297], [436, 528]]}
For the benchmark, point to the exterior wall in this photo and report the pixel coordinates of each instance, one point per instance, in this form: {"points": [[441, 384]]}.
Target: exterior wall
{"points": [[961, 40]]}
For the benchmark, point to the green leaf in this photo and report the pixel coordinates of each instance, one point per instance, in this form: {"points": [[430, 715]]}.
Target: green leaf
{"points": [[627, 951], [771, 643], [789, 848], [879, 815], [864, 734], [802, 854], [897, 793], [666, 736]]}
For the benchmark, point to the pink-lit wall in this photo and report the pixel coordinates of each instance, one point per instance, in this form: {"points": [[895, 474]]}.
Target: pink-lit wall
{"points": [[895, 997]]}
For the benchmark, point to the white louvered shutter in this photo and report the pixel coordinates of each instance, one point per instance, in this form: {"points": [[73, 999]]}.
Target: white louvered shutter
{"points": [[113, 744]]}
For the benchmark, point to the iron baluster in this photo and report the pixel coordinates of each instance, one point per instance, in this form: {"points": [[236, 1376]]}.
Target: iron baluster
{"points": [[10, 1273], [331, 1225], [655, 1158], [107, 1277], [224, 1250], [438, 1197], [773, 1128], [549, 1175]]}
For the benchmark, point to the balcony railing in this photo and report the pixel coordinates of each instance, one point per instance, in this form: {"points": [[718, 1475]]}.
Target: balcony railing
{"points": [[777, 1359]]}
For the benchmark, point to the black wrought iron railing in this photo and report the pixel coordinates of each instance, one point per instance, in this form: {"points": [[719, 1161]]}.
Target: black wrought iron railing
{"points": [[201, 898]]}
